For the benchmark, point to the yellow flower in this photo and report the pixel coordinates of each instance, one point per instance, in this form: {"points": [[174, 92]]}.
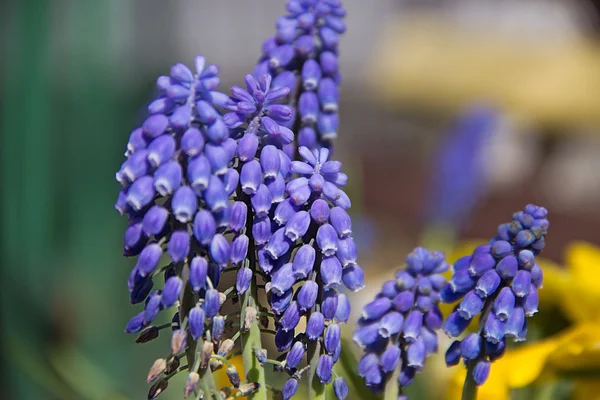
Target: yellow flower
{"points": [[573, 353]]}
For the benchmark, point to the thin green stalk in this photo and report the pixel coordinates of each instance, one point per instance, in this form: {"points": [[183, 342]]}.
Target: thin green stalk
{"points": [[250, 339], [469, 388], [392, 388]]}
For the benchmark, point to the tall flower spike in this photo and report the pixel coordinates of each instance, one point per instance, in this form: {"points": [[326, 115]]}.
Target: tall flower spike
{"points": [[175, 179], [397, 330], [499, 281], [303, 57]]}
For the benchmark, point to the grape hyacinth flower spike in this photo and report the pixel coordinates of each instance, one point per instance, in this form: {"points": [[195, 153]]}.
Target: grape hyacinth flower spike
{"points": [[397, 330], [499, 282], [214, 183]]}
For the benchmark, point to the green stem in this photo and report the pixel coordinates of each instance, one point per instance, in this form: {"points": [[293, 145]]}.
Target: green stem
{"points": [[392, 388], [250, 339], [316, 390], [469, 388]]}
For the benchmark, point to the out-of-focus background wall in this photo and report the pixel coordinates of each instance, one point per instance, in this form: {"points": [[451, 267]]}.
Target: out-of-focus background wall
{"points": [[454, 114]]}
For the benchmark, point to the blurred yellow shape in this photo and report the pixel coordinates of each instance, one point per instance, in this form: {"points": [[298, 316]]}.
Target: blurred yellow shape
{"points": [[424, 60], [573, 353], [220, 377]]}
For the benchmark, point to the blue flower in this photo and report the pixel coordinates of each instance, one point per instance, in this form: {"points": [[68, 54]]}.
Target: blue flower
{"points": [[305, 49], [499, 281], [398, 328]]}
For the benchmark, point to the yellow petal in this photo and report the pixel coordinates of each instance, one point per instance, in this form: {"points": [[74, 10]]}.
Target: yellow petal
{"points": [[578, 349], [583, 260]]}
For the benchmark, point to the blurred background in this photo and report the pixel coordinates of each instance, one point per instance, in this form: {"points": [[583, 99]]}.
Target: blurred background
{"points": [[454, 114]]}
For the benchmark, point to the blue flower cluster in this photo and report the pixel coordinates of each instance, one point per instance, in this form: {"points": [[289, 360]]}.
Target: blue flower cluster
{"points": [[500, 282], [398, 328], [307, 243], [177, 182], [303, 56]]}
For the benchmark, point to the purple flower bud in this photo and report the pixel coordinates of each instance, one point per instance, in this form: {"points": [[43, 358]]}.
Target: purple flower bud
{"points": [[279, 303], [377, 308], [412, 325], [198, 272], [315, 326], [481, 264], [220, 250], [327, 240], [265, 261], [526, 259], [284, 339], [353, 278], [269, 161], [196, 322], [290, 318], [521, 283], [141, 193], [184, 204], [433, 318], [530, 305], [261, 201], [136, 141], [204, 227], [278, 244], [218, 327], [148, 259], [481, 372], [329, 304], [487, 284], [239, 249], [284, 211], [211, 303], [161, 149], [303, 261], [237, 217], [328, 95], [153, 306], [388, 289], [247, 147], [404, 301], [319, 211], [507, 267], [471, 346], [261, 230], [494, 329], [514, 324], [331, 272], [300, 195], [537, 276], [342, 312], [455, 324], [171, 291], [311, 74], [295, 355], [215, 195], [167, 178], [470, 306], [283, 279], [192, 142], [251, 177], [324, 368], [332, 338], [297, 225], [328, 125], [340, 388], [390, 358], [179, 246], [244, 277], [135, 324], [155, 125], [462, 281], [199, 173], [341, 222], [308, 108], [307, 137], [453, 353], [504, 304], [307, 295], [289, 388], [501, 249], [134, 238], [415, 354]]}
